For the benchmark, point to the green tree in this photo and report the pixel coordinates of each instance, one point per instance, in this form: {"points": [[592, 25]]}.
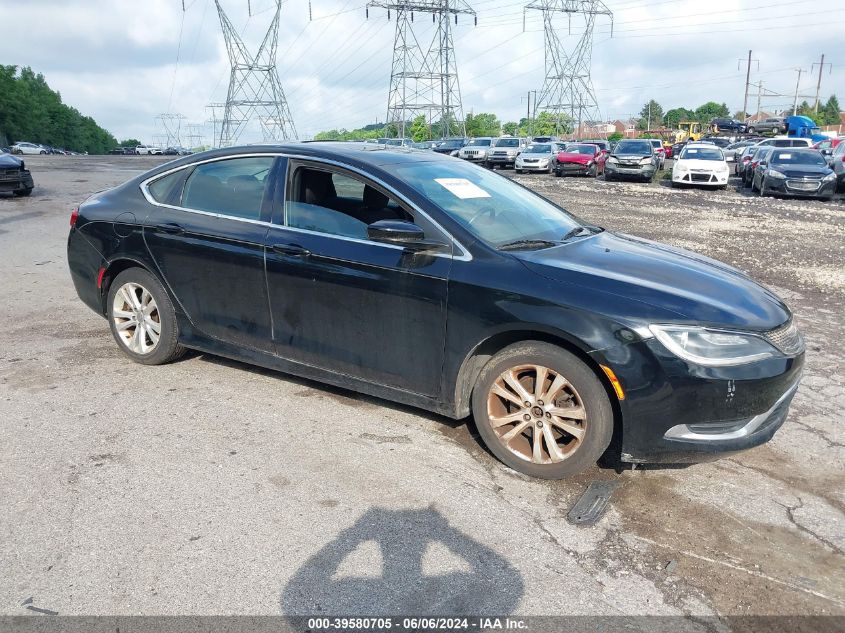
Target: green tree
{"points": [[551, 124], [651, 116], [510, 128], [710, 110], [419, 130], [483, 124], [130, 142], [829, 114], [676, 115], [615, 136]]}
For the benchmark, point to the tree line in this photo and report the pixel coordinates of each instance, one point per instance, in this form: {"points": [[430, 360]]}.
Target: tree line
{"points": [[31, 111]]}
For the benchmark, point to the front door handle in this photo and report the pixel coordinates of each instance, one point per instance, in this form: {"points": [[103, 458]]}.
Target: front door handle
{"points": [[171, 227], [291, 249]]}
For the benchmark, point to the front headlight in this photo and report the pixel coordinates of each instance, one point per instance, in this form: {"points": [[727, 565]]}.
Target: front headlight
{"points": [[774, 173], [712, 348], [612, 160], [829, 177], [511, 152], [646, 161]]}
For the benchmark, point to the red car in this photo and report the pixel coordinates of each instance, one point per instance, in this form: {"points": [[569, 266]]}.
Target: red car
{"points": [[582, 159], [827, 144], [667, 150]]}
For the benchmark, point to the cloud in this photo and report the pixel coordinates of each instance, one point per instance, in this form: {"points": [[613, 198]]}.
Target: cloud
{"points": [[116, 61]]}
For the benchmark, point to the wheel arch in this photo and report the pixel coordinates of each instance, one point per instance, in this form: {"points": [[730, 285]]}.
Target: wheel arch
{"points": [[475, 360], [116, 266]]}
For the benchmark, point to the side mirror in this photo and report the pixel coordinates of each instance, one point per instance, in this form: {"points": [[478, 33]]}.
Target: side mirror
{"points": [[403, 233], [827, 152]]}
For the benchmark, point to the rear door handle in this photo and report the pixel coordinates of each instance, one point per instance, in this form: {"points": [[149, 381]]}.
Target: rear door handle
{"points": [[291, 249], [171, 227]]}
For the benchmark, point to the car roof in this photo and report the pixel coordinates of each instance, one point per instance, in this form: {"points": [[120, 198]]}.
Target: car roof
{"points": [[356, 154]]}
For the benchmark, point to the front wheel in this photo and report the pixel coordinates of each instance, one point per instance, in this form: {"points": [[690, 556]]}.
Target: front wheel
{"points": [[752, 130], [24, 192], [542, 411], [519, 171], [142, 318]]}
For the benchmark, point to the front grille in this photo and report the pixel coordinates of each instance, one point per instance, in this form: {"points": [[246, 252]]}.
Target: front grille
{"points": [[500, 154], [803, 185], [701, 177], [11, 173], [786, 338]]}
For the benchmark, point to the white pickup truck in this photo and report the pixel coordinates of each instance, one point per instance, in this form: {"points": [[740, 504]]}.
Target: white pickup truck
{"points": [[146, 149]]}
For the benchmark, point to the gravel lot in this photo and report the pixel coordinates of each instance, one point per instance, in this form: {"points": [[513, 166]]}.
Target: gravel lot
{"points": [[211, 487]]}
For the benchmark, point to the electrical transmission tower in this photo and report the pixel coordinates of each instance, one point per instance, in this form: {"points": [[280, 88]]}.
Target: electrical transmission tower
{"points": [[193, 135], [424, 75], [255, 92], [172, 125], [568, 88]]}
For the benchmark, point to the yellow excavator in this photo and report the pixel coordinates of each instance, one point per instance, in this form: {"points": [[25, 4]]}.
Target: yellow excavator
{"points": [[688, 130]]}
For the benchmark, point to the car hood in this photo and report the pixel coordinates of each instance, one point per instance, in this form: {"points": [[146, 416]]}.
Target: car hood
{"points": [[660, 282], [630, 157], [7, 161], [799, 171], [574, 158]]}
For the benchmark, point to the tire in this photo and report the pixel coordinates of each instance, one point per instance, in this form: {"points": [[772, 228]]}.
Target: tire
{"points": [[42, 152], [519, 171], [167, 348], [676, 185], [558, 173], [608, 177], [762, 189], [582, 393], [23, 193], [752, 130]]}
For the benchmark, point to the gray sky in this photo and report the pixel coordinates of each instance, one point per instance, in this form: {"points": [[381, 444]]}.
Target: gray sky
{"points": [[116, 60]]}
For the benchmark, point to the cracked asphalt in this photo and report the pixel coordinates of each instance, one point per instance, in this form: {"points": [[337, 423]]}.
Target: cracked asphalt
{"points": [[211, 487]]}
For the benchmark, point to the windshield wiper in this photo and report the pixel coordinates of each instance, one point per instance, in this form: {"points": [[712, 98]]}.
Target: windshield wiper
{"points": [[581, 230], [526, 244]]}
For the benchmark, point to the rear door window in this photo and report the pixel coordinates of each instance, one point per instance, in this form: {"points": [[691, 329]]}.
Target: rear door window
{"points": [[233, 187]]}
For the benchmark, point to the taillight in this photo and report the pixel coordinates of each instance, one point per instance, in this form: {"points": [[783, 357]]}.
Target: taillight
{"points": [[74, 216]]}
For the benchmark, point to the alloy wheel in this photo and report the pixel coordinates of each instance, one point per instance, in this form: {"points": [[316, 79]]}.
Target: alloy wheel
{"points": [[136, 318], [536, 414]]}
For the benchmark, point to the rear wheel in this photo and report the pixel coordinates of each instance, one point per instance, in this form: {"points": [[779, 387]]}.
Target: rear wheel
{"points": [[142, 318], [542, 411], [751, 130]]}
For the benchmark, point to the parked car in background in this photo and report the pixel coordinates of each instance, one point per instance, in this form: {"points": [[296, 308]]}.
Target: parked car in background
{"points": [[776, 125], [702, 165], [718, 141], [827, 146], [759, 156], [476, 150], [837, 163], [23, 147], [603, 144], [449, 146], [580, 159], [795, 172], [743, 158], [428, 281], [724, 124], [15, 178], [504, 150], [784, 141], [544, 139], [148, 149], [734, 149], [631, 158], [398, 142], [659, 151], [677, 147], [667, 151], [537, 157]]}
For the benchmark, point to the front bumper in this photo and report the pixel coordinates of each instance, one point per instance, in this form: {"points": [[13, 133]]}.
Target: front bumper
{"points": [[532, 166], [576, 169], [795, 188], [473, 156], [494, 159], [12, 180], [675, 412], [633, 171], [712, 179]]}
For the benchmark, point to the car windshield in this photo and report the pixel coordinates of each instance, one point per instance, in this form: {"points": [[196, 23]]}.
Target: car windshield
{"points": [[656, 143], [589, 150], [491, 207], [479, 142], [702, 153], [451, 144], [633, 147], [797, 157], [538, 149], [507, 142]]}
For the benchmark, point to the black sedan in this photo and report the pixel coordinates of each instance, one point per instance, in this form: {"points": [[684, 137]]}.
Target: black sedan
{"points": [[795, 172], [426, 280], [15, 178]]}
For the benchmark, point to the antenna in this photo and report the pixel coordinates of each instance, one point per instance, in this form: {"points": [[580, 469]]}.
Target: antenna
{"points": [[255, 92], [568, 88], [424, 77]]}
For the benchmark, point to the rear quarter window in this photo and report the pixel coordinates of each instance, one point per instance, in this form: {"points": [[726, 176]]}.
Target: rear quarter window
{"points": [[167, 189]]}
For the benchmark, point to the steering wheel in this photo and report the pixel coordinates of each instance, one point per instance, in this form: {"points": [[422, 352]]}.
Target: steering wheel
{"points": [[491, 211]]}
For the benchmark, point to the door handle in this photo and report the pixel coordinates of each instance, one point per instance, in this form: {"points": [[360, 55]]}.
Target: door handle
{"points": [[291, 249], [171, 227]]}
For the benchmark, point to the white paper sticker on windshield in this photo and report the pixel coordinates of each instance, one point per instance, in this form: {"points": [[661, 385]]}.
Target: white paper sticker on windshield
{"points": [[462, 188], [692, 151], [784, 156]]}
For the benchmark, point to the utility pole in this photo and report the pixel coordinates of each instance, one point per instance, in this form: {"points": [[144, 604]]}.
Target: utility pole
{"points": [[797, 84], [568, 85], [747, 82], [819, 84], [648, 127], [759, 97], [424, 75]]}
